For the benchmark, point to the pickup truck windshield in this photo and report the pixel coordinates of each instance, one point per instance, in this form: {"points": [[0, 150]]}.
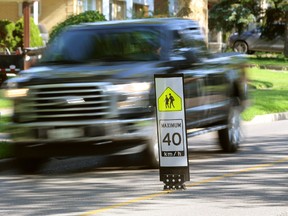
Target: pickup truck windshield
{"points": [[89, 45]]}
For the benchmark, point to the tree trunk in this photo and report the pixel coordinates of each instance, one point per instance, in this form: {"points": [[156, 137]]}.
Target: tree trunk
{"points": [[286, 36]]}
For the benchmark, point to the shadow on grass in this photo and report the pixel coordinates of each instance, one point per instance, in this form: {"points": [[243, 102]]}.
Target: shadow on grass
{"points": [[258, 84]]}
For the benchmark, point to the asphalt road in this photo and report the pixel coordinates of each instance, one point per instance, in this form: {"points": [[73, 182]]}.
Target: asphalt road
{"points": [[251, 182]]}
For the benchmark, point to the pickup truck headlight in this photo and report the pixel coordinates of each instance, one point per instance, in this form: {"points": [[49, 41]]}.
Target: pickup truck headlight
{"points": [[14, 93], [130, 88], [131, 95]]}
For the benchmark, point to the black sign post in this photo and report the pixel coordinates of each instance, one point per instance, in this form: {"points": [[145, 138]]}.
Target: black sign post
{"points": [[171, 131]]}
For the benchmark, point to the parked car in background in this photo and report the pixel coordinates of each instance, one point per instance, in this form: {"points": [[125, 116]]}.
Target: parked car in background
{"points": [[259, 39]]}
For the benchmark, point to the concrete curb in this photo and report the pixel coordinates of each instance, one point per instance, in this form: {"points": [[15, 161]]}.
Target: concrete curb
{"points": [[5, 112], [268, 118]]}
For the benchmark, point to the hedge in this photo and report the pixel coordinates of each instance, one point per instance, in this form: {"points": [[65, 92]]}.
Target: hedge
{"points": [[88, 16]]}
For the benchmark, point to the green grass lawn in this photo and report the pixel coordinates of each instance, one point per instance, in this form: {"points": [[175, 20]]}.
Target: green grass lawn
{"points": [[268, 59], [268, 92], [262, 59], [4, 103]]}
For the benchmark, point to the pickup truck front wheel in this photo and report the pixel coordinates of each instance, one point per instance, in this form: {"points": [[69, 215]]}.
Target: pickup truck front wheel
{"points": [[29, 165], [149, 157], [230, 137], [151, 153]]}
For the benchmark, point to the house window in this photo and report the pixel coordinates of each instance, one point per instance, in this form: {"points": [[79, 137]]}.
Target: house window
{"points": [[140, 11], [118, 10], [89, 5], [95, 5]]}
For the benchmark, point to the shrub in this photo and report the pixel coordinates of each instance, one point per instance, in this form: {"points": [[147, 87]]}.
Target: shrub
{"points": [[11, 34], [35, 37], [6, 34], [88, 16]]}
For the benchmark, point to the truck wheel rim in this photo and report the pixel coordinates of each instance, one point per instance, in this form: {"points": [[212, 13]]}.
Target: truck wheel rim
{"points": [[234, 127]]}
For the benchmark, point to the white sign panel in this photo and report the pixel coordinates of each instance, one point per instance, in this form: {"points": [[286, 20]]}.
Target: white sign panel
{"points": [[171, 121]]}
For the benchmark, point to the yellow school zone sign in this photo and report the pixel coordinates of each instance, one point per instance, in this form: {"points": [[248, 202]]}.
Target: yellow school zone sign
{"points": [[169, 101]]}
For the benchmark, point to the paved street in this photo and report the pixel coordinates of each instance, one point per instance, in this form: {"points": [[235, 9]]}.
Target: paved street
{"points": [[252, 182]]}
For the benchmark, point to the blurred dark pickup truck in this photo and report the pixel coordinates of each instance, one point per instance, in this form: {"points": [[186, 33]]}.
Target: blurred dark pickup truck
{"points": [[93, 91]]}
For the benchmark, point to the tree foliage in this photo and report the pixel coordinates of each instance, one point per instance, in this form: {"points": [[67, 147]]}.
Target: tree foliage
{"points": [[275, 14], [238, 14], [6, 34], [88, 16]]}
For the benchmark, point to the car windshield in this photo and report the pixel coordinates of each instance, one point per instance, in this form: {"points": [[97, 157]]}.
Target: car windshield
{"points": [[88, 45]]}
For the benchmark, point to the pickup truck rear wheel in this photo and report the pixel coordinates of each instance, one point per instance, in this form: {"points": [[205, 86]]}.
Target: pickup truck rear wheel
{"points": [[229, 138]]}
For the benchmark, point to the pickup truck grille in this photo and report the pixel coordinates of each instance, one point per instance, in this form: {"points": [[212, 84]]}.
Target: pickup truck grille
{"points": [[67, 102]]}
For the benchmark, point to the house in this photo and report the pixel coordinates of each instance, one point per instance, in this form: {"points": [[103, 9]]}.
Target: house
{"points": [[51, 12], [194, 9]]}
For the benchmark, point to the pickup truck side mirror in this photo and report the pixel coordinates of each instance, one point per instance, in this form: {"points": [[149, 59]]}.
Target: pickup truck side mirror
{"points": [[191, 56], [185, 54]]}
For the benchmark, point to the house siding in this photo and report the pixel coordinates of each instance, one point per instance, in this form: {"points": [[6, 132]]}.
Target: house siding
{"points": [[53, 12], [9, 10]]}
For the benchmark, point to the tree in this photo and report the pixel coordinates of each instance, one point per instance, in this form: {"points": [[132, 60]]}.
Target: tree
{"points": [[286, 35], [237, 14]]}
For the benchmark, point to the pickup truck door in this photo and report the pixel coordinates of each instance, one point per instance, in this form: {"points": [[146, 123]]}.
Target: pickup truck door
{"points": [[195, 97], [217, 90]]}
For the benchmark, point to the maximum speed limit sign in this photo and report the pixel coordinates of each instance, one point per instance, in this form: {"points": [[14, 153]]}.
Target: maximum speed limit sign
{"points": [[171, 130], [172, 138], [171, 121]]}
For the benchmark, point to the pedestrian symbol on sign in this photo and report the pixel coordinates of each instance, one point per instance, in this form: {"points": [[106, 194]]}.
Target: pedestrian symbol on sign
{"points": [[169, 101]]}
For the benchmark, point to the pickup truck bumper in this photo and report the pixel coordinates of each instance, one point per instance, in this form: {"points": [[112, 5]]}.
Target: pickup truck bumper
{"points": [[79, 138]]}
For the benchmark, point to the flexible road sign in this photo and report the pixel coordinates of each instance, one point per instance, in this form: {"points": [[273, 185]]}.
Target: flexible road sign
{"points": [[171, 129]]}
